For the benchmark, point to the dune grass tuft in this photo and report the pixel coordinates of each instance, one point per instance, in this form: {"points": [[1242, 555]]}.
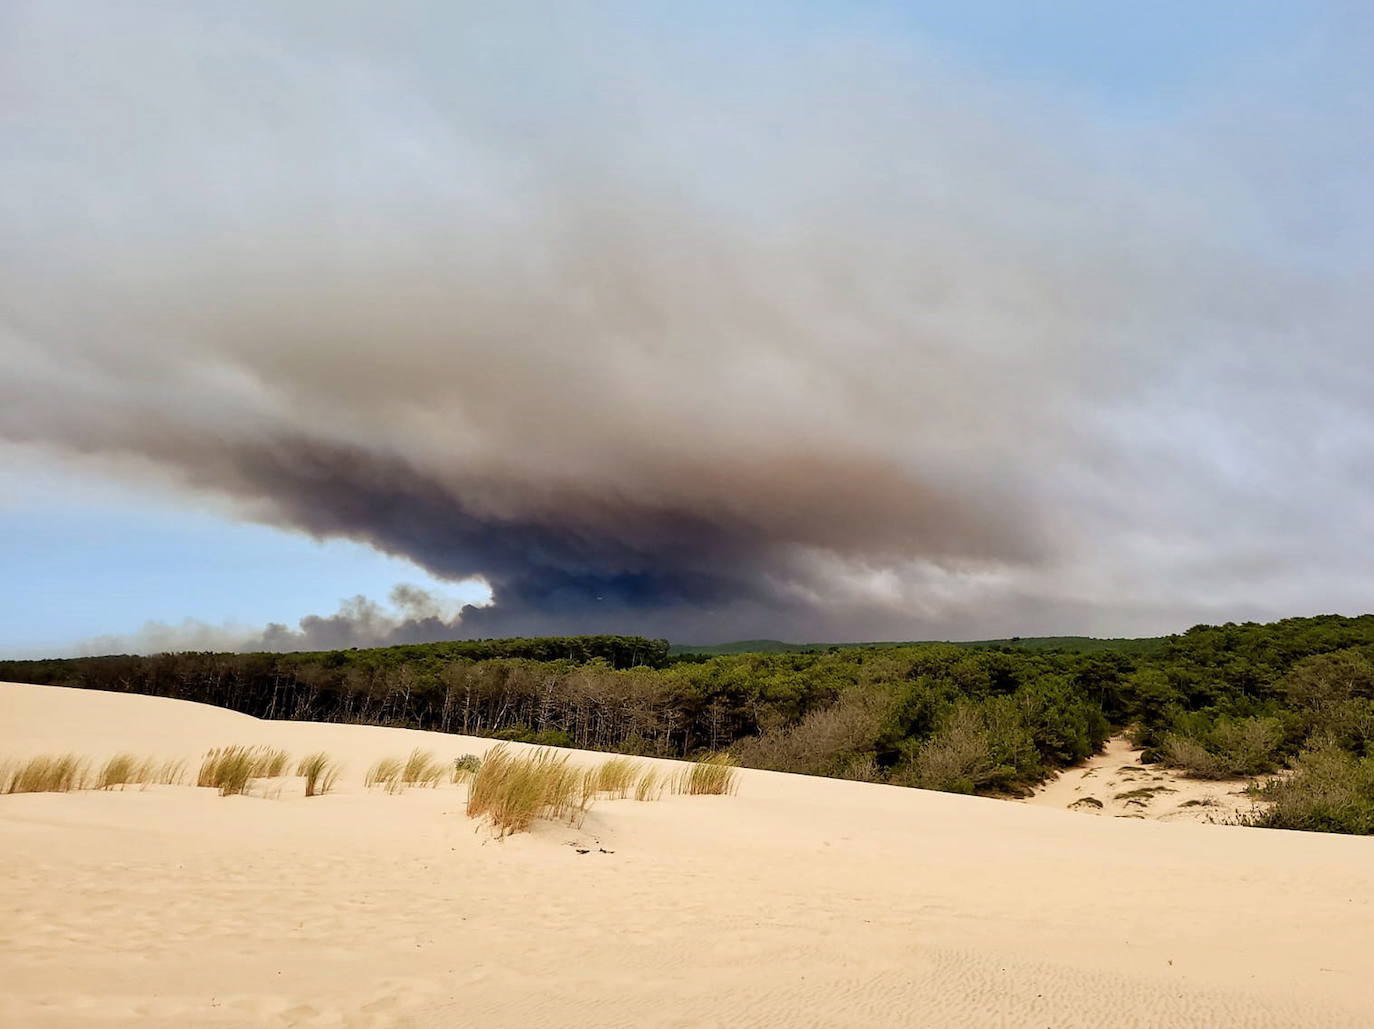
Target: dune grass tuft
{"points": [[128, 770], [320, 773], [60, 773], [650, 785], [512, 791], [714, 774], [273, 764], [395, 774], [230, 769], [616, 777], [421, 769], [387, 773]]}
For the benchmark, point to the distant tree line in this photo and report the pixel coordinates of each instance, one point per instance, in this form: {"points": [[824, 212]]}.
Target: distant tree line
{"points": [[996, 718]]}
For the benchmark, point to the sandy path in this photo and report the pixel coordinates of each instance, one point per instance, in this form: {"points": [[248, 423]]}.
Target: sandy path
{"points": [[799, 902], [1114, 783]]}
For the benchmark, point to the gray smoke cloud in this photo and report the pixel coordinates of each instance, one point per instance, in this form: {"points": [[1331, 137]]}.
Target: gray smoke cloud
{"points": [[706, 335], [412, 615]]}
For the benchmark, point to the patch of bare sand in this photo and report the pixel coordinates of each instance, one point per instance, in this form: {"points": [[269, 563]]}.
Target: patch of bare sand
{"points": [[1115, 783], [799, 902]]}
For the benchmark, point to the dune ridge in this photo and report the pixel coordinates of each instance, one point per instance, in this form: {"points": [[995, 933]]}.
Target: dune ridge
{"points": [[797, 902]]}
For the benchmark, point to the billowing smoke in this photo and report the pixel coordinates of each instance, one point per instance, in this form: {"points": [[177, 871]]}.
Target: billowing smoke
{"points": [[414, 615], [706, 336]]}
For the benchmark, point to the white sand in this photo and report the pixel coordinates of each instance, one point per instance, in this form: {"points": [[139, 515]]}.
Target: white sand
{"points": [[799, 902], [1115, 784]]}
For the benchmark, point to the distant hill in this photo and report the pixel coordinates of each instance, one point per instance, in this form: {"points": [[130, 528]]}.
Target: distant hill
{"points": [[1067, 644], [746, 647], [1074, 644]]}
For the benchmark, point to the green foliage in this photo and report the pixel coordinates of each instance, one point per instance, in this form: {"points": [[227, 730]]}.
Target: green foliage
{"points": [[1224, 748], [992, 716], [678, 650], [827, 740], [465, 767], [979, 748], [1330, 790], [540, 737]]}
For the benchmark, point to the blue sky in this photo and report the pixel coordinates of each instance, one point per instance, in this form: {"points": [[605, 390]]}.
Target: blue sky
{"points": [[1234, 131], [88, 558]]}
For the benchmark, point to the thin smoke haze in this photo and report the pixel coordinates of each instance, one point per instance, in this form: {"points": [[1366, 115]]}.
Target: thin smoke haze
{"points": [[844, 340]]}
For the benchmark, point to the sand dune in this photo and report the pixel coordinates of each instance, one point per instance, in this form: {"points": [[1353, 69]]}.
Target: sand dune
{"points": [[799, 902]]}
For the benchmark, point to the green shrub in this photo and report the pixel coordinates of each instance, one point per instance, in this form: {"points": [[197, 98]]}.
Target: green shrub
{"points": [[539, 738], [1326, 680], [1064, 726], [1228, 748], [830, 740], [979, 747], [1348, 722], [1249, 746], [465, 767], [1192, 758], [1330, 790]]}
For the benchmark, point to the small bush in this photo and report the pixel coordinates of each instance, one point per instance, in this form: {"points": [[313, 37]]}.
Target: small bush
{"points": [[127, 769], [540, 738], [1192, 758], [978, 748], [511, 792], [1249, 746], [465, 767], [1330, 790], [1229, 748], [712, 775], [837, 740], [231, 769], [319, 772], [59, 774]]}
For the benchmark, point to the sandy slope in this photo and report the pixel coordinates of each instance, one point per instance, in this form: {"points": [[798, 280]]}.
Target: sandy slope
{"points": [[1115, 784], [799, 902]]}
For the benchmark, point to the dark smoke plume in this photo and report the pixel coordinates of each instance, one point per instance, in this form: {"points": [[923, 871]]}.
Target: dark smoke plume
{"points": [[825, 338]]}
